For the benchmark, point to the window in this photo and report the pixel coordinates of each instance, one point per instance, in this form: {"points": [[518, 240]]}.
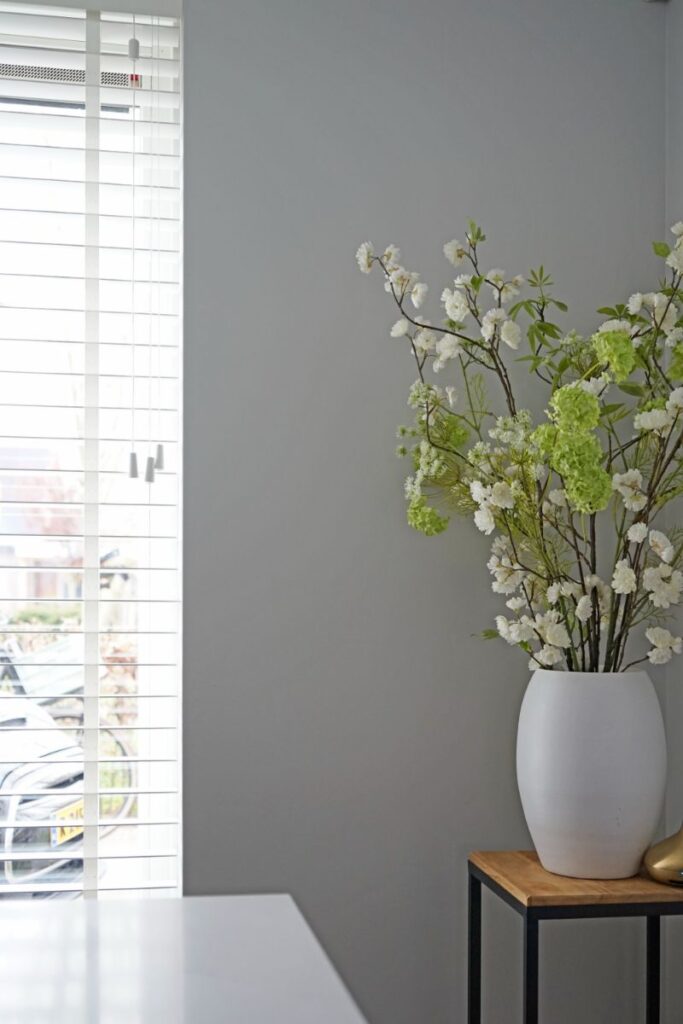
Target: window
{"points": [[90, 139]]}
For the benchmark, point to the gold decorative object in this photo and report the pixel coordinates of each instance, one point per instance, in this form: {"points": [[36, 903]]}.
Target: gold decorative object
{"points": [[664, 861]]}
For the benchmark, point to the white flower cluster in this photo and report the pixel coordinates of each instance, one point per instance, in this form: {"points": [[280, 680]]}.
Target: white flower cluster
{"points": [[584, 608], [425, 341], [630, 486], [418, 294], [364, 257], [657, 420], [546, 628], [454, 252], [562, 588], [616, 325], [512, 431], [496, 324], [455, 304], [502, 288], [675, 257], [664, 645], [498, 495], [447, 347], [637, 533], [504, 567], [556, 500], [554, 637], [551, 630], [661, 420], [624, 578], [674, 402], [661, 545], [518, 631], [397, 279], [663, 584], [657, 307], [596, 385], [421, 394], [430, 466]]}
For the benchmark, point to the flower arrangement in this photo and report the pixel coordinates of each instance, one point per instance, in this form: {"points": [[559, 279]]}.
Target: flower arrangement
{"points": [[609, 448]]}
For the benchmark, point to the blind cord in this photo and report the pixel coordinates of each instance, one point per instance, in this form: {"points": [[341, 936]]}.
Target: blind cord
{"points": [[133, 53]]}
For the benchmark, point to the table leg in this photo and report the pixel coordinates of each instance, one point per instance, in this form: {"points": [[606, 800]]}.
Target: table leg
{"points": [[653, 970], [474, 956], [530, 969]]}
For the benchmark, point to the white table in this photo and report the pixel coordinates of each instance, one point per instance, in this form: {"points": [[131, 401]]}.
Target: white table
{"points": [[223, 959]]}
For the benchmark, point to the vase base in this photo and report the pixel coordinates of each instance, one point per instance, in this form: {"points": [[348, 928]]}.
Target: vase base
{"points": [[590, 871]]}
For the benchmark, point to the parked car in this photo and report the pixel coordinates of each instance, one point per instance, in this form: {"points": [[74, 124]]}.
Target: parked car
{"points": [[41, 802]]}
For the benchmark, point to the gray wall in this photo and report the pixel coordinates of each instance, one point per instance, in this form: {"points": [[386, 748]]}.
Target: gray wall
{"points": [[346, 737], [674, 690]]}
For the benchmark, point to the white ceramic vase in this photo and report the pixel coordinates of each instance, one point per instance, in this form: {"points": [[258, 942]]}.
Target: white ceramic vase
{"points": [[591, 770]]}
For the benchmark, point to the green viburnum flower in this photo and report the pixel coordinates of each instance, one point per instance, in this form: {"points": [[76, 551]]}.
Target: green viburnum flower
{"points": [[616, 349], [544, 438], [574, 409], [424, 518], [578, 459], [591, 491]]}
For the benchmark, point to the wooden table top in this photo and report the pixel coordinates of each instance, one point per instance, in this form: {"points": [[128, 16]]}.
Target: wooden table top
{"points": [[521, 875]]}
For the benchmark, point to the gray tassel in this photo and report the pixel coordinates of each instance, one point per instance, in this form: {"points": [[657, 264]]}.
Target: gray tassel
{"points": [[149, 471], [133, 466], [159, 461]]}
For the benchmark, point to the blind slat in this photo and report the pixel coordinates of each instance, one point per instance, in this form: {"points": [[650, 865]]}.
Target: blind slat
{"points": [[89, 366]]}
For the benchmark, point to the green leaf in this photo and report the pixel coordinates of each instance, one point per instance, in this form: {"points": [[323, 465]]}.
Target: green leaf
{"points": [[607, 311], [632, 389], [560, 305], [475, 233], [613, 407], [489, 634], [641, 361], [661, 249]]}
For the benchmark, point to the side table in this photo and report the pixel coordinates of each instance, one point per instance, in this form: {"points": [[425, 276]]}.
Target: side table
{"points": [[519, 880]]}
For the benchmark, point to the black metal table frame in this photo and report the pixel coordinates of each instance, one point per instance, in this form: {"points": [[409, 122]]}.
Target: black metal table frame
{"points": [[532, 916]]}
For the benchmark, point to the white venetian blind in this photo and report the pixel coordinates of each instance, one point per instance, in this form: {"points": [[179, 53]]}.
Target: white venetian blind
{"points": [[90, 137]]}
